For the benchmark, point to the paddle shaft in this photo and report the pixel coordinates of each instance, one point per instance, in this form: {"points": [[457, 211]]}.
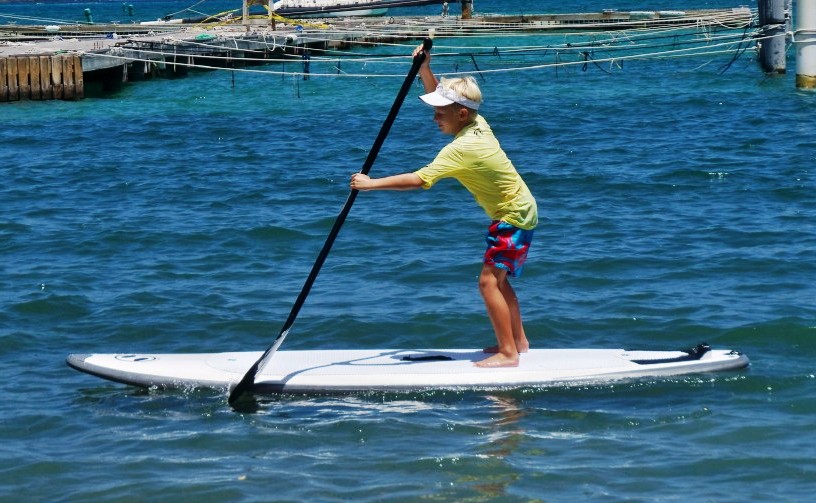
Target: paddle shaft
{"points": [[248, 381]]}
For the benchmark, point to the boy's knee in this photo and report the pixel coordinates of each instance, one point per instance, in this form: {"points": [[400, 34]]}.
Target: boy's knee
{"points": [[491, 278], [485, 283]]}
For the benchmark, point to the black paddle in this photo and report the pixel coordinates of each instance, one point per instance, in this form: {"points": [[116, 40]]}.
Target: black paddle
{"points": [[248, 381]]}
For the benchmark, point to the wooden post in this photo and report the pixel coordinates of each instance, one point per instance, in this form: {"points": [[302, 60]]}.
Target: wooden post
{"points": [[56, 77], [13, 90], [805, 37], [34, 73], [79, 77], [3, 80], [45, 78], [467, 9], [773, 15], [23, 77], [69, 87], [245, 20]]}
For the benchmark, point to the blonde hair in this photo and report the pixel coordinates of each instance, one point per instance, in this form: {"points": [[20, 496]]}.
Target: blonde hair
{"points": [[465, 87]]}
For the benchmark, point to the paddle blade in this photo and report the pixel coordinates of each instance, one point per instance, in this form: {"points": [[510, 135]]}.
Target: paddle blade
{"points": [[241, 393]]}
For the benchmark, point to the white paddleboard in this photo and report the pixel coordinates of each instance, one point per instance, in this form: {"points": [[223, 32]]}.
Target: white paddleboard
{"points": [[340, 371]]}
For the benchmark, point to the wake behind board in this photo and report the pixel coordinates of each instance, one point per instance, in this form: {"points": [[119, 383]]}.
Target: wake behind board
{"points": [[342, 371]]}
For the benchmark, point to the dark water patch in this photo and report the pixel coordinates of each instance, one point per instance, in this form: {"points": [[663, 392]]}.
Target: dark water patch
{"points": [[193, 491], [274, 234], [14, 342], [52, 306], [780, 336], [232, 335], [800, 192]]}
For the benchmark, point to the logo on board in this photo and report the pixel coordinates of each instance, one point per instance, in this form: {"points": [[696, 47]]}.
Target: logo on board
{"points": [[135, 358]]}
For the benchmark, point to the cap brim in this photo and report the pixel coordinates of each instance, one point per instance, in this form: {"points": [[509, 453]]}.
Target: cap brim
{"points": [[435, 99]]}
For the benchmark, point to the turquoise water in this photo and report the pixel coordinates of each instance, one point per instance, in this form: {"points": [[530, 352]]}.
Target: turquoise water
{"points": [[677, 207]]}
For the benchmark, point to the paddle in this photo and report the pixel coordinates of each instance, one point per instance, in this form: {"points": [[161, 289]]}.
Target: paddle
{"points": [[248, 381]]}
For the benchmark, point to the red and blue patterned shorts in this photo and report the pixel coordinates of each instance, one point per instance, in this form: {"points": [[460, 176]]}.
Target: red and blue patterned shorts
{"points": [[507, 247]]}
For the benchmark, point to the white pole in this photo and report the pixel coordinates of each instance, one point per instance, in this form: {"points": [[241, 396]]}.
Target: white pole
{"points": [[805, 38], [245, 15]]}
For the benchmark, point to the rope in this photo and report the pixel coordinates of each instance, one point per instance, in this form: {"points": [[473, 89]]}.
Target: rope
{"points": [[715, 49], [685, 38], [190, 8], [640, 41]]}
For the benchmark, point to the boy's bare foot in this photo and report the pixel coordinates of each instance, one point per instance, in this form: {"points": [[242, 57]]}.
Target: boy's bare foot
{"points": [[497, 360]]}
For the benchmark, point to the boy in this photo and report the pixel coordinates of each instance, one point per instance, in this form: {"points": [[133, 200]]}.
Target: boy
{"points": [[476, 160]]}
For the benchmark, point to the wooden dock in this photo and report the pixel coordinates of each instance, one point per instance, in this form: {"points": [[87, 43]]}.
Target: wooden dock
{"points": [[37, 63], [55, 77]]}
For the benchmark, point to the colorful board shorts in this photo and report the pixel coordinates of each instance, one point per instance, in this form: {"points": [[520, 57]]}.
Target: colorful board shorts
{"points": [[507, 247]]}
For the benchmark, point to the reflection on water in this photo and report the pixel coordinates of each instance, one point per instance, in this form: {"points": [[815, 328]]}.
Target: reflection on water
{"points": [[507, 432], [503, 439]]}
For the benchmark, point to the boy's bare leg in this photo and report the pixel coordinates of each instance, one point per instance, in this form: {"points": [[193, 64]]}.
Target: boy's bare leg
{"points": [[499, 311], [520, 338]]}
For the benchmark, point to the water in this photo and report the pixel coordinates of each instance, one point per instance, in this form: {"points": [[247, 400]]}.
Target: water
{"points": [[677, 207]]}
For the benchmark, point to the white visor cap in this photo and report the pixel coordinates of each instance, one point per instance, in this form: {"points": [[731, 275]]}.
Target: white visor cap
{"points": [[442, 97]]}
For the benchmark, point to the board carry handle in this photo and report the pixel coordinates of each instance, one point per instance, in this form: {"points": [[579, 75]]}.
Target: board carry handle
{"points": [[246, 384]]}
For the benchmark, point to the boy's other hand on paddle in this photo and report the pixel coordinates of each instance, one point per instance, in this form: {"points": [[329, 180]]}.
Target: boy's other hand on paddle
{"points": [[421, 48], [359, 181]]}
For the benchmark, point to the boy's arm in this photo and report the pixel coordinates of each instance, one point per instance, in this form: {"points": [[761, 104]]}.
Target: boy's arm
{"points": [[429, 81], [405, 181]]}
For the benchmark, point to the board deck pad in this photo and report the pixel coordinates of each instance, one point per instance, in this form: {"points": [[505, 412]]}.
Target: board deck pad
{"points": [[355, 370]]}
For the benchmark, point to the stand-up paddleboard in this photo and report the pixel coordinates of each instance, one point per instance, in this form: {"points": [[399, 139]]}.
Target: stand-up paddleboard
{"points": [[339, 371]]}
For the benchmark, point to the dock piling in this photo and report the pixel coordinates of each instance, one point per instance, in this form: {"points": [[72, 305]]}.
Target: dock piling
{"points": [[53, 77], [34, 78], [773, 18], [56, 78], [467, 9], [805, 37], [45, 78], [4, 91], [68, 87], [13, 90], [24, 78]]}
